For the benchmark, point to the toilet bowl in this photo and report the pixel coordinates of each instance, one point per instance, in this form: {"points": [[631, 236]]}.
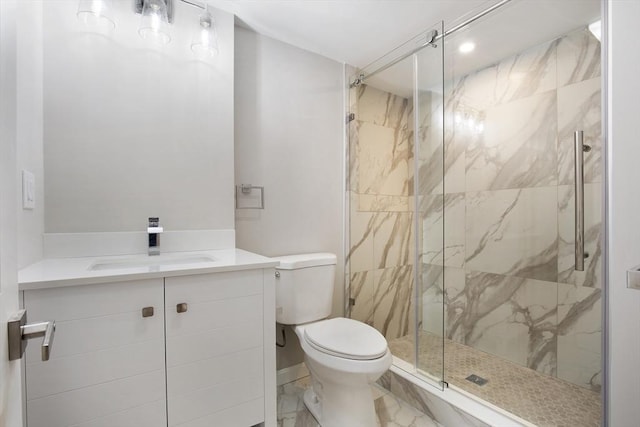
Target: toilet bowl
{"points": [[341, 377], [344, 356]]}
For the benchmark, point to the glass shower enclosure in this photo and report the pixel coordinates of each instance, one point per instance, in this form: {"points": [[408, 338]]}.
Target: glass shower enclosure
{"points": [[475, 194]]}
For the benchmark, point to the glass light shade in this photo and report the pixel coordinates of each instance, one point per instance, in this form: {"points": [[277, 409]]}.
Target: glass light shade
{"points": [[154, 24], [96, 13], [205, 40]]}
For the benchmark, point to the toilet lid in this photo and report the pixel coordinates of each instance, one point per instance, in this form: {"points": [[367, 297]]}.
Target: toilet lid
{"points": [[346, 338]]}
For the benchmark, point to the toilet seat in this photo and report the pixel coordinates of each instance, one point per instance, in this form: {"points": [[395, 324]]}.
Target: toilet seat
{"points": [[346, 338]]}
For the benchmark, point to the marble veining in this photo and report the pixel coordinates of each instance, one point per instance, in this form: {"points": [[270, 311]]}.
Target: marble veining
{"points": [[579, 109], [514, 318], [592, 274], [393, 301], [382, 240], [519, 133], [513, 232], [443, 233], [578, 57]]}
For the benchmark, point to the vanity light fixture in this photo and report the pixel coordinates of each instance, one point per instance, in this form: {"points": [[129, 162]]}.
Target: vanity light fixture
{"points": [[205, 40], [154, 24], [96, 13], [156, 15]]}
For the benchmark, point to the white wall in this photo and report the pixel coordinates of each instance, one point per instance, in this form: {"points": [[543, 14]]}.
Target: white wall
{"points": [[132, 130], [624, 209], [29, 128], [10, 391], [289, 139]]}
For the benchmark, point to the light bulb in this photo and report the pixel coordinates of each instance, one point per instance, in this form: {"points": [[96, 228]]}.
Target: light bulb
{"points": [[96, 13], [154, 24], [205, 41]]}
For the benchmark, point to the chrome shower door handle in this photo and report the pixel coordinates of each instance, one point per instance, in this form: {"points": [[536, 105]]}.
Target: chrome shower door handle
{"points": [[19, 332], [579, 148]]}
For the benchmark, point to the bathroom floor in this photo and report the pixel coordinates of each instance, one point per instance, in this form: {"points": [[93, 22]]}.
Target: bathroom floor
{"points": [[537, 398], [392, 412]]}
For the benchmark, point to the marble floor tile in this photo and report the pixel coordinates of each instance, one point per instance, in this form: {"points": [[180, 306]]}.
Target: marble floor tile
{"points": [[540, 399], [391, 411]]}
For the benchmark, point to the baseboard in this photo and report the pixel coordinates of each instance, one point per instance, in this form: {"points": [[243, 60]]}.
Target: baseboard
{"points": [[292, 373]]}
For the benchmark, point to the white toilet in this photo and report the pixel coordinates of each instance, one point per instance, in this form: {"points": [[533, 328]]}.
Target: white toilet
{"points": [[344, 356]]}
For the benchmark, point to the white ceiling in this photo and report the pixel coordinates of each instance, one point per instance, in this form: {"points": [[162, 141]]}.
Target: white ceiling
{"points": [[352, 31], [512, 29], [360, 31]]}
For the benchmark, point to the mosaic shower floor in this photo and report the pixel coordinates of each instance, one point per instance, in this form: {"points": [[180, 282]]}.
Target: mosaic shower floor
{"points": [[537, 398], [391, 411]]}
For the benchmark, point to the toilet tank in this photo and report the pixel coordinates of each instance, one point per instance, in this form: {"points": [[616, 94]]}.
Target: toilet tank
{"points": [[304, 287]]}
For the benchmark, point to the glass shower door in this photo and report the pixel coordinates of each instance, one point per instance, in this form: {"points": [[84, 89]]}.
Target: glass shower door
{"points": [[521, 314], [385, 227], [433, 253]]}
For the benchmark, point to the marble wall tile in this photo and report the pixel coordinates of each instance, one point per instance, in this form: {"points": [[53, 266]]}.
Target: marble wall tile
{"points": [[428, 403], [346, 305], [592, 274], [522, 75], [514, 318], [453, 228], [393, 239], [439, 152], [361, 229], [382, 108], [579, 109], [525, 74], [393, 302], [580, 335], [383, 160], [362, 292], [410, 135], [513, 232], [431, 290], [375, 203], [519, 133], [578, 57], [352, 157]]}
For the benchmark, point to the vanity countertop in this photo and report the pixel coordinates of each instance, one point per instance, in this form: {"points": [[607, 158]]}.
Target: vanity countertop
{"points": [[58, 272]]}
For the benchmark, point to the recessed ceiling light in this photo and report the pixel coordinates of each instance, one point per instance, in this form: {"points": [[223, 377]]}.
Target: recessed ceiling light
{"points": [[466, 47]]}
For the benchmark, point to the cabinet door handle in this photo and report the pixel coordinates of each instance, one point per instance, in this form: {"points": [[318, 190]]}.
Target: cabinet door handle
{"points": [[182, 307], [19, 331], [147, 311]]}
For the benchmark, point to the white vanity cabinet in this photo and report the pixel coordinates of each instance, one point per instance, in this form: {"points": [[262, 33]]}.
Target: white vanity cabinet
{"points": [[206, 357], [107, 361], [216, 349]]}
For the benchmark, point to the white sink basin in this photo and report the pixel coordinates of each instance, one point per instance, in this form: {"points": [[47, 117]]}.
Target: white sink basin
{"points": [[155, 261]]}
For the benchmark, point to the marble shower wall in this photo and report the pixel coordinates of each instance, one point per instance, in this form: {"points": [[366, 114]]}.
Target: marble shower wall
{"points": [[380, 260], [511, 289]]}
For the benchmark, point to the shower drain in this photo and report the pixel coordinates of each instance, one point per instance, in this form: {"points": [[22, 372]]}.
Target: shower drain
{"points": [[476, 379]]}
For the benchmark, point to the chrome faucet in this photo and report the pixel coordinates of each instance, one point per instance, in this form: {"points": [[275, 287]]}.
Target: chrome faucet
{"points": [[154, 231]]}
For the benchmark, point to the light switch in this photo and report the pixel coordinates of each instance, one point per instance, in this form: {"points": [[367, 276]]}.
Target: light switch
{"points": [[28, 190]]}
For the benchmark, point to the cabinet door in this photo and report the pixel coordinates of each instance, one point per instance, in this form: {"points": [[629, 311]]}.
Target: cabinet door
{"points": [[107, 360], [214, 341]]}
